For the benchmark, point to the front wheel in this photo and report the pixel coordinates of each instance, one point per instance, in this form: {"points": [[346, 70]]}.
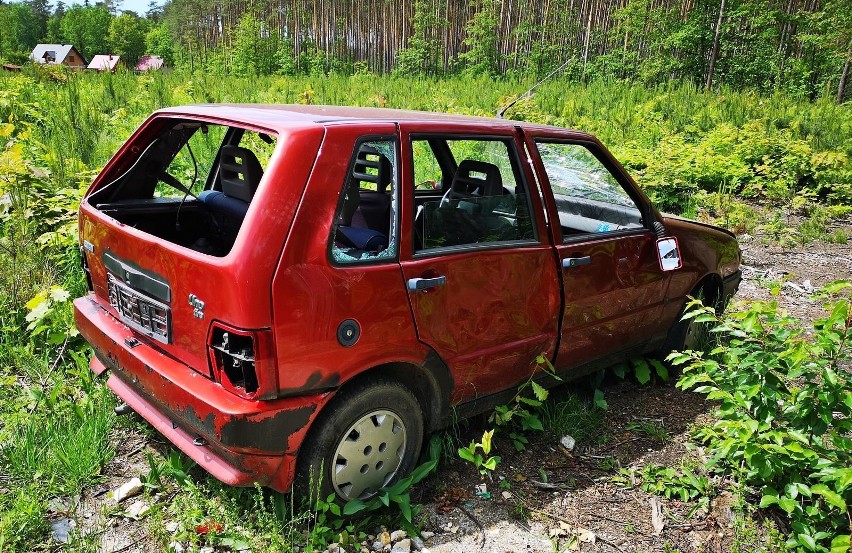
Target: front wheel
{"points": [[367, 438], [688, 334]]}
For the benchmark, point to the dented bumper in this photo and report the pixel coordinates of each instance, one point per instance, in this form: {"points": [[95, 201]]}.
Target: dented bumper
{"points": [[239, 441]]}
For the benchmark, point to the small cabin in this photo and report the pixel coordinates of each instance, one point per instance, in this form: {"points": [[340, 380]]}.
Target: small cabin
{"points": [[105, 62], [150, 63], [58, 54]]}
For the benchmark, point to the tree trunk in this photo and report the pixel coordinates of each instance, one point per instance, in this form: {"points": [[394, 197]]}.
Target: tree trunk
{"points": [[844, 76], [715, 52]]}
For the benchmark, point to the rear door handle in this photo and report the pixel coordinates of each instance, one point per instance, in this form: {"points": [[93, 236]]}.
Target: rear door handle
{"points": [[421, 284], [571, 262]]}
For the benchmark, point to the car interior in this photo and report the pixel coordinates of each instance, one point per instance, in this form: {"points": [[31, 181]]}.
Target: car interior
{"points": [[191, 185]]}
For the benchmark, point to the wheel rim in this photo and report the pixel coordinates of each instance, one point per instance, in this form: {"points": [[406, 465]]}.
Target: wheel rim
{"points": [[369, 455]]}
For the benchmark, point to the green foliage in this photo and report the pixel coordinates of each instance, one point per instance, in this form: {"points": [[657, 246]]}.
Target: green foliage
{"points": [[650, 429], [785, 413], [396, 496], [521, 415], [523, 412], [483, 463], [87, 28], [421, 56], [675, 483], [481, 57], [642, 369], [127, 34], [571, 415], [159, 42], [254, 49]]}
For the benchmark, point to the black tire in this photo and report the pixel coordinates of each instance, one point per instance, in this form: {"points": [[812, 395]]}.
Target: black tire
{"points": [[688, 334], [350, 447]]}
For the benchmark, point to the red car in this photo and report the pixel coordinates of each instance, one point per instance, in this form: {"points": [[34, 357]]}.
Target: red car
{"points": [[293, 290]]}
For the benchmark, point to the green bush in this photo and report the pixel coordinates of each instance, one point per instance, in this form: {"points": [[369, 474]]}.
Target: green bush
{"points": [[784, 425]]}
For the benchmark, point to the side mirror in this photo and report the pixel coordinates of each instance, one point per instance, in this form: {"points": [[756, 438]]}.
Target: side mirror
{"points": [[668, 253]]}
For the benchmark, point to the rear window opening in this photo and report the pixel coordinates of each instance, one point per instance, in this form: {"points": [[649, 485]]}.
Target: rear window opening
{"points": [[190, 183]]}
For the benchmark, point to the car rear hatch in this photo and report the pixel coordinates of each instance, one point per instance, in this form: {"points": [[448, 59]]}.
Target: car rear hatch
{"points": [[210, 312]]}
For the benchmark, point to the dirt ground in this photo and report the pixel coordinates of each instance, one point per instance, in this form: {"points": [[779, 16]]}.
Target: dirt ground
{"points": [[579, 500]]}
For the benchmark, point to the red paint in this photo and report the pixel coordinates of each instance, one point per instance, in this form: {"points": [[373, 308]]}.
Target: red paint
{"points": [[476, 335]]}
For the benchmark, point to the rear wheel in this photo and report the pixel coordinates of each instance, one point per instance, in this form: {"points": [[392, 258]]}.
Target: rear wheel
{"points": [[367, 438]]}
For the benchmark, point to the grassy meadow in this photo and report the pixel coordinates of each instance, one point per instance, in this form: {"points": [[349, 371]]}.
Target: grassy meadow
{"points": [[743, 159]]}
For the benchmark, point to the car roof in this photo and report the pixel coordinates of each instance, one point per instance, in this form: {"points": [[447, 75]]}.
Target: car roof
{"points": [[283, 116]]}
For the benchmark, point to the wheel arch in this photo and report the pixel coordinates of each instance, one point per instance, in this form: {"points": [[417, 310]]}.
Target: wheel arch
{"points": [[430, 381], [711, 286]]}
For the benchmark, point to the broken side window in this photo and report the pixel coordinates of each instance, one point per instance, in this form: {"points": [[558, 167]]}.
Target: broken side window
{"points": [[365, 226]]}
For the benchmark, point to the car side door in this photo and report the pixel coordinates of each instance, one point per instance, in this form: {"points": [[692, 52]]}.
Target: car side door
{"points": [[477, 261], [612, 285]]}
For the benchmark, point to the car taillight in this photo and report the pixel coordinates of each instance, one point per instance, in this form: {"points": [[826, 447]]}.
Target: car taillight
{"points": [[243, 361]]}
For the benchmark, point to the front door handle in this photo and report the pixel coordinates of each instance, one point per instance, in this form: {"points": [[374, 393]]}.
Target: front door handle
{"points": [[571, 262], [422, 284]]}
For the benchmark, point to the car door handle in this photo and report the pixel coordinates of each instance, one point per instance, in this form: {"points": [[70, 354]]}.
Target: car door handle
{"points": [[571, 262], [421, 284]]}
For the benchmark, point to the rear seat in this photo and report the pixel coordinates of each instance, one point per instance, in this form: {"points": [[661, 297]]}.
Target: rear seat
{"points": [[239, 175]]}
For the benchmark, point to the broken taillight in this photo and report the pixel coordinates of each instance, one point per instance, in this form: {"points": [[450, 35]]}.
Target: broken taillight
{"points": [[243, 361]]}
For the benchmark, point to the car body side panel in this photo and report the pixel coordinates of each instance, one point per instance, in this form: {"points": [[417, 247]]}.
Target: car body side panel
{"points": [[616, 300], [312, 296]]}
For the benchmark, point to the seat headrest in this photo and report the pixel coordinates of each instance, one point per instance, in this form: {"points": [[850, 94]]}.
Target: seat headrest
{"points": [[239, 172], [477, 178], [372, 166]]}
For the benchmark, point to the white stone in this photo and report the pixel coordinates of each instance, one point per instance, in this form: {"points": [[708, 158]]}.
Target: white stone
{"points": [[402, 546], [568, 442], [171, 527], [176, 547], [128, 489], [137, 509], [397, 535], [426, 534]]}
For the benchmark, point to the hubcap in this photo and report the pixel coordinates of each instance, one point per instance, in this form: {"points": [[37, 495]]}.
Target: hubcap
{"points": [[369, 455]]}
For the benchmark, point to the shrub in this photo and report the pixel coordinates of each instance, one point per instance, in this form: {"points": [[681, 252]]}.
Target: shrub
{"points": [[785, 414]]}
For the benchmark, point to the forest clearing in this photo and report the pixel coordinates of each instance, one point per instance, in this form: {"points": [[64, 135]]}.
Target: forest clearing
{"points": [[772, 167]]}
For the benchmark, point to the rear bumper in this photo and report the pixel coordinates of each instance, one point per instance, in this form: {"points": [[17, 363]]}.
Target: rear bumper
{"points": [[241, 442]]}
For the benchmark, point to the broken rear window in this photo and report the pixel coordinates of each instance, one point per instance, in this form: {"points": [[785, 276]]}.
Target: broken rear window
{"points": [[191, 183]]}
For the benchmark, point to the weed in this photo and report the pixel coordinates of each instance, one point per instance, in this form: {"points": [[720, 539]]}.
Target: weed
{"points": [[608, 463], [483, 463], [654, 431]]}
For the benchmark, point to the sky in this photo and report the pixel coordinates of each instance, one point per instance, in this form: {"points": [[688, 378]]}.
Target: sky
{"points": [[138, 6]]}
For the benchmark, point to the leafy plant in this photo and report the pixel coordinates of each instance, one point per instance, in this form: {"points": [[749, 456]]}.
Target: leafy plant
{"points": [[785, 412], [483, 463]]}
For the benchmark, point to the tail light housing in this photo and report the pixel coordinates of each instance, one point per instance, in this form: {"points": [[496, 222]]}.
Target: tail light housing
{"points": [[243, 361]]}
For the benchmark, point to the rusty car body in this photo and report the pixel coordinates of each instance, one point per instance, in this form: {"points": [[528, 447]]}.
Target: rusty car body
{"points": [[279, 289]]}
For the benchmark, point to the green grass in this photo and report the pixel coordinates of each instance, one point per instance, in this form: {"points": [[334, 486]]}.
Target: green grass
{"points": [[650, 429], [569, 414]]}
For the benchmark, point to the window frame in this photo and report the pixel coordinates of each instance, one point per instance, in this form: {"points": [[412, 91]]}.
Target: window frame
{"points": [[599, 153], [395, 211], [510, 141]]}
